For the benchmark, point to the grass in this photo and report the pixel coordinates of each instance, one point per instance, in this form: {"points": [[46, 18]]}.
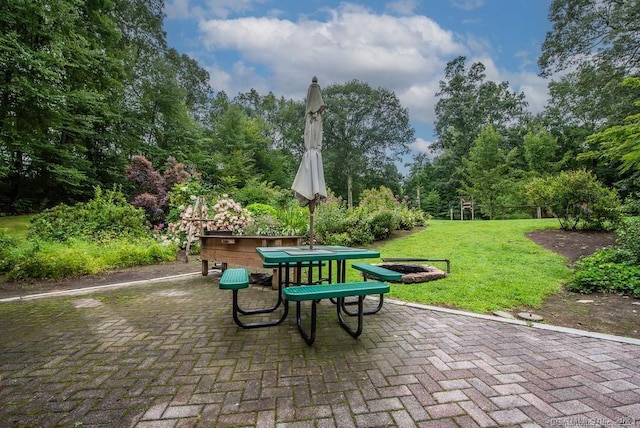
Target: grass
{"points": [[15, 226], [494, 266]]}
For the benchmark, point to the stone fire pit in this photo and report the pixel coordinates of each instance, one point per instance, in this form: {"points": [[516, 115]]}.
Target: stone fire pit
{"points": [[414, 273]]}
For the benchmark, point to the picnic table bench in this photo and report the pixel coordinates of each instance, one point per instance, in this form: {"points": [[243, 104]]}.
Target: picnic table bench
{"points": [[339, 291], [237, 279], [377, 272]]}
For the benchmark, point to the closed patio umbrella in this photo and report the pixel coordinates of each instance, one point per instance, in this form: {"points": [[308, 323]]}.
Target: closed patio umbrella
{"points": [[309, 183]]}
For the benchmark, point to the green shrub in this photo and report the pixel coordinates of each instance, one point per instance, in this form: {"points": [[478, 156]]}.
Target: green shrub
{"points": [[263, 225], [329, 219], [628, 239], [7, 244], [107, 216], [603, 272], [358, 229], [408, 218], [382, 223], [612, 270], [631, 205], [258, 209], [294, 220], [373, 200], [577, 199], [55, 260], [255, 191]]}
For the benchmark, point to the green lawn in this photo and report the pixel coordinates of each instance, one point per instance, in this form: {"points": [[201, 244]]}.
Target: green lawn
{"points": [[15, 226], [494, 266]]}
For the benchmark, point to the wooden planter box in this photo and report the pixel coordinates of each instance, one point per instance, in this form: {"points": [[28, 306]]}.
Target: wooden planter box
{"points": [[240, 250]]}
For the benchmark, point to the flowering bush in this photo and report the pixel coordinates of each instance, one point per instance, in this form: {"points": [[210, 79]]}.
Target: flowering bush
{"points": [[185, 229], [229, 216]]}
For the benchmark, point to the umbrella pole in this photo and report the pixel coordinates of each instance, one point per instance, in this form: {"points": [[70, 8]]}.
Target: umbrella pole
{"points": [[312, 208]]}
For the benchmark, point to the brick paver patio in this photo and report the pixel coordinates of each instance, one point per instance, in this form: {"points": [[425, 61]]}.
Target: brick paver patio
{"points": [[169, 355]]}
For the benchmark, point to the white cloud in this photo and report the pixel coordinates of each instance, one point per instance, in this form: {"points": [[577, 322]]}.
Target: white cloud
{"points": [[468, 5], [402, 7], [404, 54], [183, 9], [421, 146]]}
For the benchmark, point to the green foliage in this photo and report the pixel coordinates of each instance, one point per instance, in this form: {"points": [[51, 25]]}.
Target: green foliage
{"points": [[577, 199], [628, 240], [262, 192], [631, 205], [373, 200], [7, 244], [485, 170], [468, 102], [377, 216], [621, 143], [56, 260], [539, 151], [336, 225], [294, 220], [263, 225], [408, 218], [612, 270], [258, 209], [107, 216], [366, 130], [329, 219], [382, 223], [589, 31], [182, 195], [603, 272]]}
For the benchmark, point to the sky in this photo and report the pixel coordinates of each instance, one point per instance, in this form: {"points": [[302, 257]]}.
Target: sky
{"points": [[403, 45]]}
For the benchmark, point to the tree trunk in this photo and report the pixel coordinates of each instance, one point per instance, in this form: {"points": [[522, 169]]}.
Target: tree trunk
{"points": [[349, 190]]}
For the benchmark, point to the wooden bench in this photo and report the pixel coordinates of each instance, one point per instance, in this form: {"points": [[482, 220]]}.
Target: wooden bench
{"points": [[237, 279], [379, 273], [335, 291]]}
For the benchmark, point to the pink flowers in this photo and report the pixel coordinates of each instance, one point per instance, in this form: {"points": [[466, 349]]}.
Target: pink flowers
{"points": [[229, 215]]}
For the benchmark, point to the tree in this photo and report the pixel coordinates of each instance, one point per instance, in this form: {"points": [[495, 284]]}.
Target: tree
{"points": [[577, 199], [592, 31], [598, 43], [365, 130], [485, 170], [59, 70], [85, 85], [540, 151], [468, 102], [420, 182], [621, 143]]}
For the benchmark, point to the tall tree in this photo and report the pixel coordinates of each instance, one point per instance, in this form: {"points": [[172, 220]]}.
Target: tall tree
{"points": [[598, 43], [485, 170], [59, 72], [621, 143], [467, 103], [365, 129], [540, 149], [588, 31]]}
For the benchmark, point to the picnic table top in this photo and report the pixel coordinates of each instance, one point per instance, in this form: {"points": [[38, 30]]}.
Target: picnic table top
{"points": [[294, 254]]}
